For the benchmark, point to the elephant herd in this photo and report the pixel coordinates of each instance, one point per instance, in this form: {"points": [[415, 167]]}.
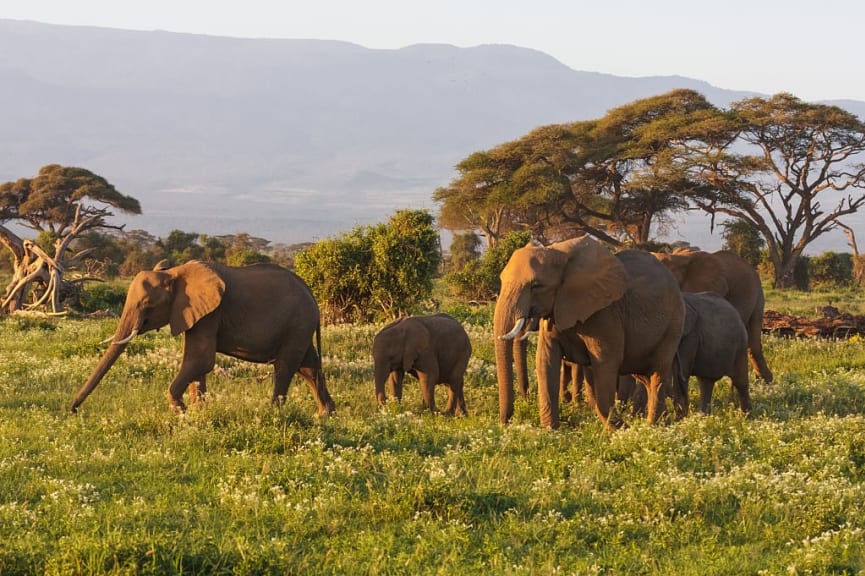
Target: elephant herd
{"points": [[655, 318]]}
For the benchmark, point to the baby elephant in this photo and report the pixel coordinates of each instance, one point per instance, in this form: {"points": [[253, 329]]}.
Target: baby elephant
{"points": [[435, 349], [714, 344]]}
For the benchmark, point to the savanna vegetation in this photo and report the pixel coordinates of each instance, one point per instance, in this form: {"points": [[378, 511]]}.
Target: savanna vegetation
{"points": [[237, 486]]}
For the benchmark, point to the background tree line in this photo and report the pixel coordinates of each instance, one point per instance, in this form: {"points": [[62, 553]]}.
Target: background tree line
{"points": [[788, 169], [779, 171]]}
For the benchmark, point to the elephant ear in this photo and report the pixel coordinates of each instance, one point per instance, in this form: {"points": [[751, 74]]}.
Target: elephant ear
{"points": [[593, 278], [198, 291], [705, 273]]}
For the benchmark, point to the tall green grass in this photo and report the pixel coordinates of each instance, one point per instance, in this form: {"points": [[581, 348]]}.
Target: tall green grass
{"points": [[235, 486]]}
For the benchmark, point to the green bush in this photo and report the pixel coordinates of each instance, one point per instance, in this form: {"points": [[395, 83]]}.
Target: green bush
{"points": [[479, 279], [831, 268], [374, 272], [104, 296]]}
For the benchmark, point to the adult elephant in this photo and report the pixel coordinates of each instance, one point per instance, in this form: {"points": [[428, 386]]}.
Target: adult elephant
{"points": [[261, 313], [435, 349], [618, 314], [728, 275]]}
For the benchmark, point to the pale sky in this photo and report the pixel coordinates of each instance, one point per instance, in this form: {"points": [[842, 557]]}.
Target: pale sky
{"points": [[811, 49]]}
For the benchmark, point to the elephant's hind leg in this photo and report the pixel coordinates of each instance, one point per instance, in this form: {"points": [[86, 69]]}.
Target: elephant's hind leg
{"points": [[755, 349], [456, 398], [309, 368], [741, 384]]}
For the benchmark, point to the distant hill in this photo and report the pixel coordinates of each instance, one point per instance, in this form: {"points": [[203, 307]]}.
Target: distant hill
{"points": [[290, 140]]}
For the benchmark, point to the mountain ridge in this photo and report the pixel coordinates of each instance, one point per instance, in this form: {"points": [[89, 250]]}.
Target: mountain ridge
{"points": [[291, 140]]}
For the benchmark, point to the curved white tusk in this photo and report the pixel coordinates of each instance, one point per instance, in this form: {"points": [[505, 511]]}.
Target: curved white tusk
{"points": [[524, 335], [128, 338], [107, 340], [517, 329]]}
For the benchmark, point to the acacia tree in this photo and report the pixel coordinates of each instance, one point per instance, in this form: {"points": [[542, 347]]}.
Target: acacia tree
{"points": [[801, 172], [60, 204], [615, 178]]}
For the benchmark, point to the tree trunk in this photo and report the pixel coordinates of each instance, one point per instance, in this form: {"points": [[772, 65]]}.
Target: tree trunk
{"points": [[858, 260]]}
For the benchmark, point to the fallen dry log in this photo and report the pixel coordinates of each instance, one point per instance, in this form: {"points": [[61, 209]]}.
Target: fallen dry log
{"points": [[831, 325]]}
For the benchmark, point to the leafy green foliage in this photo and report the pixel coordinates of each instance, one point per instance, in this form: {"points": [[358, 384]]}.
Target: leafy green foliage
{"points": [[783, 158], [101, 296], [246, 257], [743, 239], [465, 249], [378, 271], [59, 195], [614, 178], [831, 268], [235, 486], [479, 279]]}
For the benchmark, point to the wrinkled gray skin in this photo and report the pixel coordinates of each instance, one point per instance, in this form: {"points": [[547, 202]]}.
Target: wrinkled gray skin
{"points": [[714, 344], [435, 349], [571, 381], [618, 314], [727, 274], [261, 313]]}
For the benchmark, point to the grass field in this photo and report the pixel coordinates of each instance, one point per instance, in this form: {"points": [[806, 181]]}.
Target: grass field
{"points": [[235, 486]]}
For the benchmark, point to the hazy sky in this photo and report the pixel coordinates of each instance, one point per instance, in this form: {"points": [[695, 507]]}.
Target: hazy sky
{"points": [[811, 49]]}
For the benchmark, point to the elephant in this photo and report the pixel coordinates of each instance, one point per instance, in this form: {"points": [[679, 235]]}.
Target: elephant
{"points": [[714, 344], [618, 314], [732, 277], [435, 349], [261, 313]]}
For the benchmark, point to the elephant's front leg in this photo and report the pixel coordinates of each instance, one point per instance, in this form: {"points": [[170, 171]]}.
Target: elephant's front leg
{"points": [[656, 388], [199, 357], [191, 370], [548, 363], [604, 383], [395, 381], [198, 390], [707, 386]]}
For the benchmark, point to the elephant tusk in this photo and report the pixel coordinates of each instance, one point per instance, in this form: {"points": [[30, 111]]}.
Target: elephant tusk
{"points": [[516, 330], [128, 338], [107, 340]]}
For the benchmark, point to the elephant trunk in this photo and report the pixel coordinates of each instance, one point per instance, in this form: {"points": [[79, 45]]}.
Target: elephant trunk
{"points": [[101, 369], [505, 375], [382, 375], [126, 331], [504, 324]]}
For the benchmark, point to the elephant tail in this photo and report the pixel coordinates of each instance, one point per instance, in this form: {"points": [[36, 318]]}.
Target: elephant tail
{"points": [[320, 369], [318, 345]]}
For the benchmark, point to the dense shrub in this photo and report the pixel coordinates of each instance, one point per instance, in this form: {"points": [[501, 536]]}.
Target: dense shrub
{"points": [[374, 272], [831, 268], [103, 296], [479, 279]]}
